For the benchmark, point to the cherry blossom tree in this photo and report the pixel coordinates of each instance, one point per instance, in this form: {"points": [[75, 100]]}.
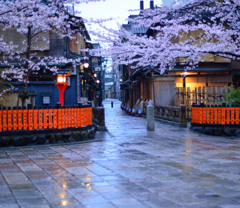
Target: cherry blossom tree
{"points": [[32, 21], [181, 34]]}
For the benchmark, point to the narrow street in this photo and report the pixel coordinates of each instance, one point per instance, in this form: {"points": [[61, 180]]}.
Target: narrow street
{"points": [[127, 166]]}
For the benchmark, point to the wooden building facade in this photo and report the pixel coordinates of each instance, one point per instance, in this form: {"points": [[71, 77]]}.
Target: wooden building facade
{"points": [[161, 89], [41, 87]]}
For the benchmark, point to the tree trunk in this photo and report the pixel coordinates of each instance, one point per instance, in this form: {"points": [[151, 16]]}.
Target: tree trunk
{"points": [[24, 95]]}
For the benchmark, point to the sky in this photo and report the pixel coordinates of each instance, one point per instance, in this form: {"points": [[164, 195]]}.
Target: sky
{"points": [[119, 10]]}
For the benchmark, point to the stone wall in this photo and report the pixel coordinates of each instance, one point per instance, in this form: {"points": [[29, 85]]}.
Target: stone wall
{"points": [[99, 119], [217, 131], [63, 136]]}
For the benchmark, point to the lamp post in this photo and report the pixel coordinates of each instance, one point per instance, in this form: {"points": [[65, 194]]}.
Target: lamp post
{"points": [[85, 66], [100, 88], [184, 74], [62, 85], [80, 74]]}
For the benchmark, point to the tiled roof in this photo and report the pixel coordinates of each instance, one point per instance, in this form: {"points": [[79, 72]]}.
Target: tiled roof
{"points": [[131, 27]]}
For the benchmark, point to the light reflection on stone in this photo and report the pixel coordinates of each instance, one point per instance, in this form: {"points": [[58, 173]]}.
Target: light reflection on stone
{"points": [[65, 203], [64, 186], [188, 157], [87, 185], [88, 177], [62, 195]]}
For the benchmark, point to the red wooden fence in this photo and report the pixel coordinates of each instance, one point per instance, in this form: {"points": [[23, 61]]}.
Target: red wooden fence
{"points": [[35, 119], [216, 115]]}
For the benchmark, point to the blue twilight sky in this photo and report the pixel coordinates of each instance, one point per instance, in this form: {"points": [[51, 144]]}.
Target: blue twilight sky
{"points": [[117, 9]]}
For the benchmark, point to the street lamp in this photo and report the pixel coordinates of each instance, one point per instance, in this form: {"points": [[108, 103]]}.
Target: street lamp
{"points": [[184, 74], [86, 65], [62, 85]]}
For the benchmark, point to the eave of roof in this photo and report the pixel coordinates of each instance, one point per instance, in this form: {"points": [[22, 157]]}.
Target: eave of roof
{"points": [[125, 83], [81, 26], [144, 71], [202, 69]]}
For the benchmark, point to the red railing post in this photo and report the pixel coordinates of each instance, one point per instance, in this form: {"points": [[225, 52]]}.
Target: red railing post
{"points": [[72, 121], [40, 118], [223, 116], [215, 109], [204, 120], [237, 115], [201, 115], [64, 117], [50, 118], [1, 125], [193, 114], [232, 115], [204, 113], [211, 115], [35, 118], [219, 115], [45, 118], [4, 113], [60, 117], [86, 116], [55, 118], [25, 118], [9, 118], [20, 118], [75, 116], [30, 119], [79, 115], [68, 117], [208, 115], [228, 115], [15, 120]]}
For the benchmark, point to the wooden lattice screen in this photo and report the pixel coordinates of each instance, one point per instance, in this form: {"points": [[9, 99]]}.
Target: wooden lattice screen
{"points": [[211, 96]]}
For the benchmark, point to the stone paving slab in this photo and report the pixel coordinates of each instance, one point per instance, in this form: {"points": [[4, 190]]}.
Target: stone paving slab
{"points": [[127, 166]]}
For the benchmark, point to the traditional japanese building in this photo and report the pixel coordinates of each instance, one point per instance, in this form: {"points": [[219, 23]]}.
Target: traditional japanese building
{"points": [[41, 87], [146, 83]]}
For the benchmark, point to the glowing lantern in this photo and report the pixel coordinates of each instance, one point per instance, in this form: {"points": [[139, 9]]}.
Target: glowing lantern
{"points": [[62, 85]]}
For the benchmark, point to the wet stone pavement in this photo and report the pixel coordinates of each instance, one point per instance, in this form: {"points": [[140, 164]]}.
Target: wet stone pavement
{"points": [[125, 167]]}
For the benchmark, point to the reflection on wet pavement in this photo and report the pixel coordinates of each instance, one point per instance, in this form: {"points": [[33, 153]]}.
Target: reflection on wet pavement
{"points": [[125, 167]]}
